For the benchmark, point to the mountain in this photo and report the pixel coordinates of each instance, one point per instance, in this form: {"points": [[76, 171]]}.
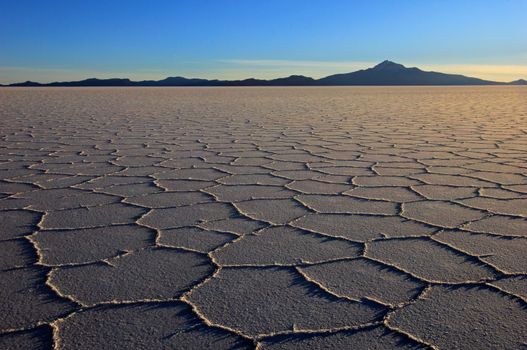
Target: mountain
{"points": [[175, 81], [292, 80], [385, 73], [390, 73], [26, 83], [86, 82], [95, 82], [518, 82]]}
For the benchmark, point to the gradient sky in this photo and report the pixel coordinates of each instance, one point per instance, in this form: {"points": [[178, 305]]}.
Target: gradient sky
{"points": [[49, 40]]}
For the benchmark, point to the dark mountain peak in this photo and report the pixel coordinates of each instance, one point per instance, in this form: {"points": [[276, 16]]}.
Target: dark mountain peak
{"points": [[391, 73], [388, 65], [178, 78], [292, 80], [297, 76], [94, 82], [519, 82], [27, 83]]}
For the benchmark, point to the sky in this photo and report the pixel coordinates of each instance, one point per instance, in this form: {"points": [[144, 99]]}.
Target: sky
{"points": [[57, 40]]}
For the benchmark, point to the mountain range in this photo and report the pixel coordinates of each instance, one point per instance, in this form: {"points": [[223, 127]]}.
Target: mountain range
{"points": [[385, 73]]}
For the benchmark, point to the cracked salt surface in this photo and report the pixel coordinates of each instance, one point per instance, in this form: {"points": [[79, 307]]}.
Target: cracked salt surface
{"points": [[267, 218]]}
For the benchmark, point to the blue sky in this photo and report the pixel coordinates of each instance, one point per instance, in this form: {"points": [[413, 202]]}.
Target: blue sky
{"points": [[61, 40]]}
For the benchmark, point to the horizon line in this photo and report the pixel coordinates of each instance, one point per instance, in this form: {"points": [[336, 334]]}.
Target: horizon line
{"points": [[275, 69]]}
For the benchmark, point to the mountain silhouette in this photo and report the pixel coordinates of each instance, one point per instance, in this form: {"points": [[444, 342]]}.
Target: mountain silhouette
{"points": [[390, 73], [385, 73]]}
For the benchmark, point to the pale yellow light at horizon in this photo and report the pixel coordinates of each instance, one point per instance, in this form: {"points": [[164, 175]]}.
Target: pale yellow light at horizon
{"points": [[484, 71], [263, 69]]}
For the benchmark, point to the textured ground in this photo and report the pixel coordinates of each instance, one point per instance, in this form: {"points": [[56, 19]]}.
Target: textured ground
{"points": [[364, 218]]}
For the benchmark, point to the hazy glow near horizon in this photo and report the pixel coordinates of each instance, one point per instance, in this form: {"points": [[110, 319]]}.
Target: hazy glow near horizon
{"points": [[65, 40]]}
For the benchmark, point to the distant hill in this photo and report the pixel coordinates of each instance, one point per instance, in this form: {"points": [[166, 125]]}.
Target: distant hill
{"points": [[518, 82], [26, 83], [385, 73], [293, 80]]}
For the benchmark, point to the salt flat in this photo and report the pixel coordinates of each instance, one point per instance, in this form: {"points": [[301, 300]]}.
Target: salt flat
{"points": [[275, 218]]}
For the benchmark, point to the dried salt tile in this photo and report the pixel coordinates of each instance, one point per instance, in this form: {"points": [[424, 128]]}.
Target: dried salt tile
{"points": [[275, 294], [428, 260], [276, 211], [148, 274], [470, 317]]}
